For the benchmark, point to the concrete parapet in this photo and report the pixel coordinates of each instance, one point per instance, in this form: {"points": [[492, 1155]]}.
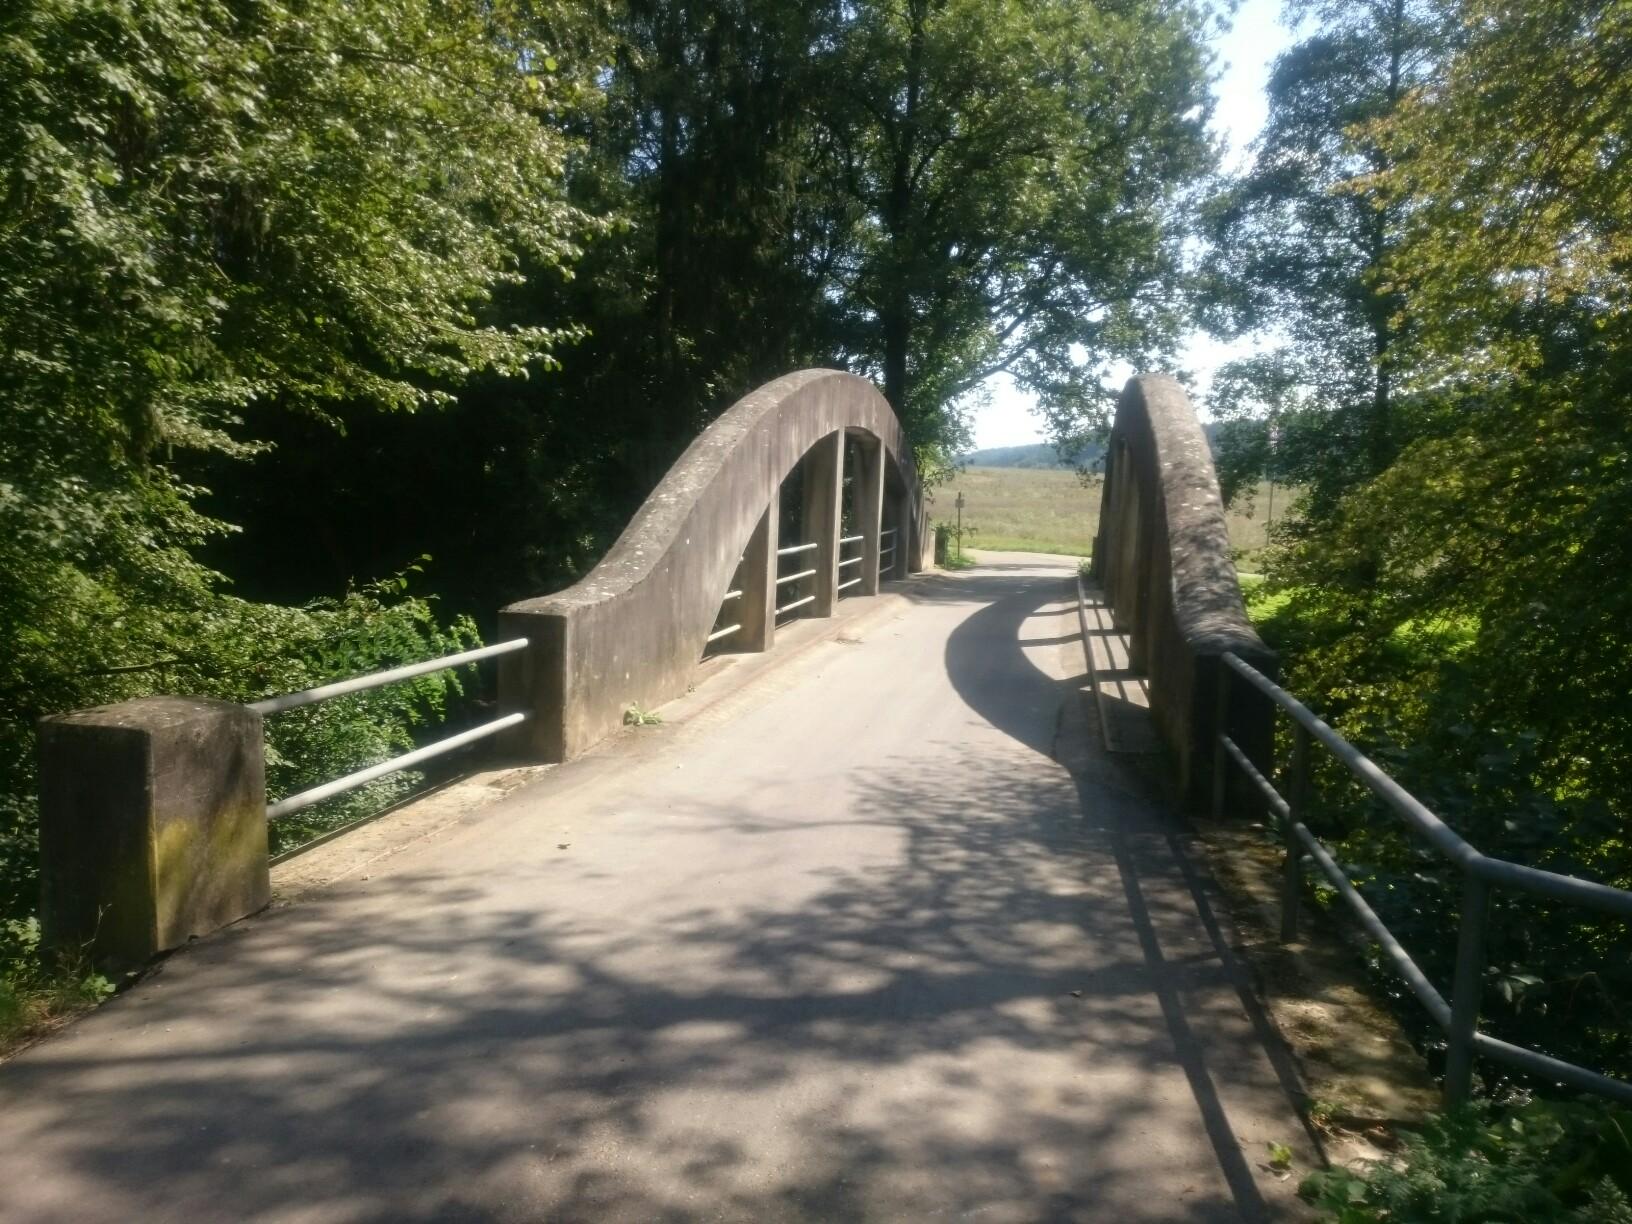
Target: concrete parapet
{"points": [[631, 632], [1162, 557], [152, 824]]}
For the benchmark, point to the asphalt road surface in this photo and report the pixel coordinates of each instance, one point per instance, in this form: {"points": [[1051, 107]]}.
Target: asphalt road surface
{"points": [[871, 931]]}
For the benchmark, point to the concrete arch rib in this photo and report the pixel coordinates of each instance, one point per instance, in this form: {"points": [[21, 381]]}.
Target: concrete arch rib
{"points": [[631, 632], [1162, 557]]}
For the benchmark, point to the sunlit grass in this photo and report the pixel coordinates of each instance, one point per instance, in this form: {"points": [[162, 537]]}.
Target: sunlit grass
{"points": [[1056, 511]]}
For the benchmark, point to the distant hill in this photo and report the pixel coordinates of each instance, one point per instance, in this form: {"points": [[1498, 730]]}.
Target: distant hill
{"points": [[1043, 454], [1037, 455]]}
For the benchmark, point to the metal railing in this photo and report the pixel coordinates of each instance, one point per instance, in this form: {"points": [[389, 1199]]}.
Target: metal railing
{"points": [[323, 692], [1458, 1018], [885, 550], [845, 562], [793, 550]]}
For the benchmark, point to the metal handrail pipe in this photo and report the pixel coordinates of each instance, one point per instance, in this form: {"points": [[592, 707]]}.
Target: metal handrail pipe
{"points": [[731, 595], [795, 577], [305, 799], [849, 561], [1272, 797], [1560, 887], [1544, 1066], [293, 701], [1407, 968], [855, 539], [1496, 871], [795, 548], [1444, 839], [887, 531], [884, 552], [720, 633], [851, 583], [798, 603]]}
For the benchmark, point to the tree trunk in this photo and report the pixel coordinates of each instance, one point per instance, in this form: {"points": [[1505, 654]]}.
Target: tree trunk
{"points": [[896, 311]]}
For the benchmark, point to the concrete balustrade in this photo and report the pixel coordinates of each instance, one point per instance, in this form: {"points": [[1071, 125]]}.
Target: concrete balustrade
{"points": [[1162, 557], [630, 633]]}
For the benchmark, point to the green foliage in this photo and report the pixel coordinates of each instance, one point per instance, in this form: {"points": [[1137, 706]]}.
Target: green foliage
{"points": [[1009, 175], [1569, 1162], [35, 992], [1512, 162], [1300, 241], [1453, 235], [215, 210]]}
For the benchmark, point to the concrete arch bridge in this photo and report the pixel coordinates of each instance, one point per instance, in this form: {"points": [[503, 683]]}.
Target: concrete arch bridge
{"points": [[894, 916]]}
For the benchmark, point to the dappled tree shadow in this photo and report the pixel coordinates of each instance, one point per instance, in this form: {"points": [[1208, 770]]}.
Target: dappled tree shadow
{"points": [[996, 992]]}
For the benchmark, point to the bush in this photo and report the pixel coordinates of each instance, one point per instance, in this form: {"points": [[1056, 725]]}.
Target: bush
{"points": [[1545, 1161], [237, 651]]}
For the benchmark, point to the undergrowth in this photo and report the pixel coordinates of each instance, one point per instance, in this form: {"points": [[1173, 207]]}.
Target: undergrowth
{"points": [[1544, 1162], [38, 992]]}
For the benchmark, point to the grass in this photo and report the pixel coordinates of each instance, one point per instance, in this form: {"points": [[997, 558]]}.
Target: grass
{"points": [[38, 994], [1054, 511]]}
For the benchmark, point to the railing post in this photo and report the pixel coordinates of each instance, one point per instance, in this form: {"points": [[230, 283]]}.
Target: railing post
{"points": [[1221, 714], [756, 578], [1466, 989], [1298, 811], [867, 510], [823, 518]]}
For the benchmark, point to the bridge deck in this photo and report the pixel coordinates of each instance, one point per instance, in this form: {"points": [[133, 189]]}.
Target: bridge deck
{"points": [[885, 935]]}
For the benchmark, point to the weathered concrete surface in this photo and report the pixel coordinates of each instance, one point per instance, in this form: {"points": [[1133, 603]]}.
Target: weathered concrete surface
{"points": [[152, 824], [875, 937], [631, 632], [1162, 558]]}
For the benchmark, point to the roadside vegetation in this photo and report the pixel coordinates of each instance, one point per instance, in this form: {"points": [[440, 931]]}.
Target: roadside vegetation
{"points": [[1433, 229]]}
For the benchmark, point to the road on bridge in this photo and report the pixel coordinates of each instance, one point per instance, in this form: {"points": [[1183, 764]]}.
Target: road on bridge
{"points": [[868, 930]]}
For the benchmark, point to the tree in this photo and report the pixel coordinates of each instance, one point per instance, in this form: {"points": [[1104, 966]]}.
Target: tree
{"points": [[1006, 178], [1459, 608], [1303, 237], [215, 207]]}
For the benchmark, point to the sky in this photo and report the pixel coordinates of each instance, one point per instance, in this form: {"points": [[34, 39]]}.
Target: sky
{"points": [[1245, 55]]}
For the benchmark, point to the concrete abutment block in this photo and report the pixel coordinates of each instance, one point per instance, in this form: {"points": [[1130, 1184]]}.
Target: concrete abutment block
{"points": [[152, 825]]}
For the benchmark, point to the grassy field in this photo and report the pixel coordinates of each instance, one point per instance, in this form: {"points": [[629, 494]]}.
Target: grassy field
{"points": [[1052, 511]]}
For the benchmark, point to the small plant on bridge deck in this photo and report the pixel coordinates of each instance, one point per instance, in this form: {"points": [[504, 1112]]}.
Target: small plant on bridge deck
{"points": [[36, 994], [634, 716]]}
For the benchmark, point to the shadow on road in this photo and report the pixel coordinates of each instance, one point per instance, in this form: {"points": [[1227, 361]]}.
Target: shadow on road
{"points": [[580, 1057]]}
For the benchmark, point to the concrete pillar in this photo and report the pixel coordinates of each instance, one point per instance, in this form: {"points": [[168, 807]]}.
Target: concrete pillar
{"points": [[535, 681], [824, 489], [152, 825], [755, 608], [867, 512], [921, 555], [901, 519]]}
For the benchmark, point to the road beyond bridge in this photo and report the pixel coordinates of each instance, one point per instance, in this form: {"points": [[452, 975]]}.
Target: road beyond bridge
{"points": [[868, 929]]}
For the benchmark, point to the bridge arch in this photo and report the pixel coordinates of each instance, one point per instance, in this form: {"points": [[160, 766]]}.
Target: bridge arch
{"points": [[1162, 558], [630, 633]]}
